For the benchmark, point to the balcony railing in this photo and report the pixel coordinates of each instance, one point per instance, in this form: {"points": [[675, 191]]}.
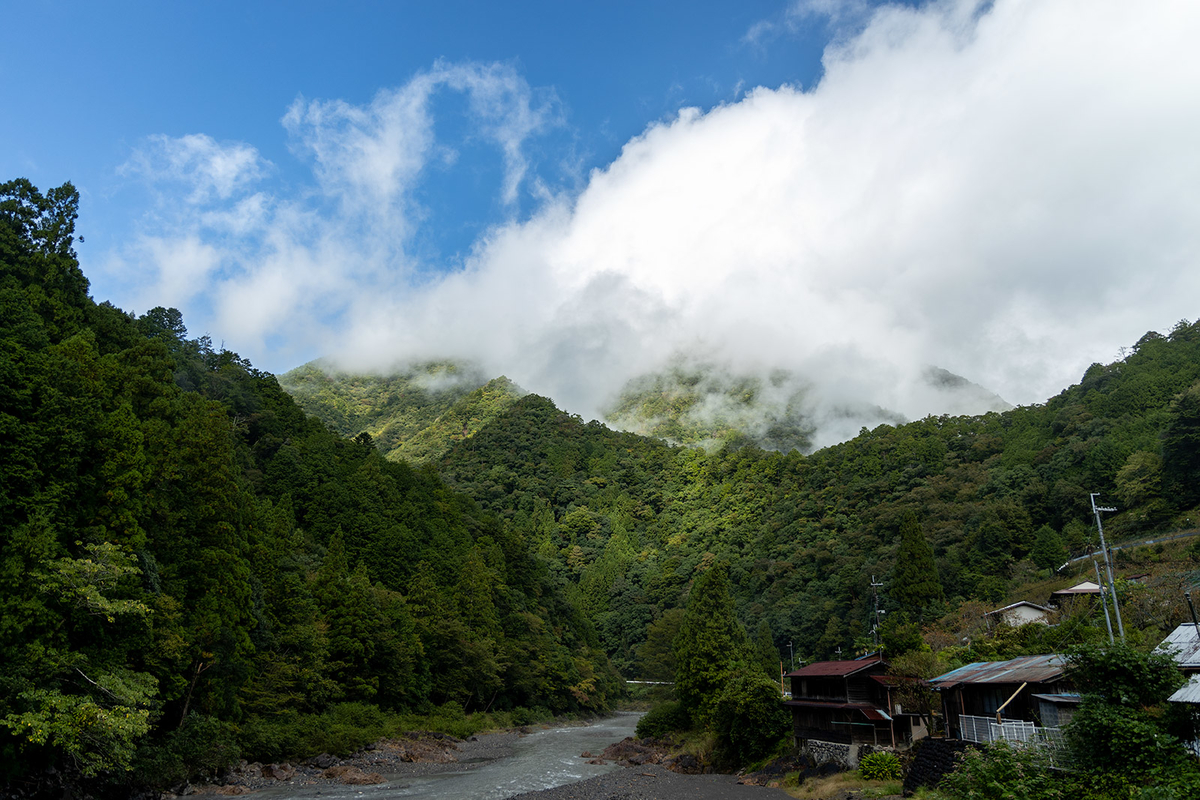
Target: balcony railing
{"points": [[986, 729]]}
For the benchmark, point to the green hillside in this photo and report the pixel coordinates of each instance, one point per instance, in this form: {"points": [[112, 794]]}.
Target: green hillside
{"points": [[702, 404], [192, 569], [630, 521], [411, 414]]}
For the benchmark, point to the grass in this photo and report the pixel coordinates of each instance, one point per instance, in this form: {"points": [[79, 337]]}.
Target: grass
{"points": [[833, 785], [347, 727]]}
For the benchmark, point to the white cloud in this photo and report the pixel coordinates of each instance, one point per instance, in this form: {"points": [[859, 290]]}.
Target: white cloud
{"points": [[1005, 190], [211, 170]]}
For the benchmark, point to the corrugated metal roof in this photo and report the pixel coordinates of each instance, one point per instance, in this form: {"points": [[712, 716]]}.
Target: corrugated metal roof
{"points": [[832, 669], [1062, 698], [1190, 693], [1027, 669], [1184, 645]]}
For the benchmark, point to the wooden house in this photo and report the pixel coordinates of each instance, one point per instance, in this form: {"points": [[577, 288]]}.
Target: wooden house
{"points": [[839, 706], [1015, 699]]}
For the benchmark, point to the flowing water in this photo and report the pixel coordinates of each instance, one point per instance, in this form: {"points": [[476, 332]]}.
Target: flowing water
{"points": [[542, 760]]}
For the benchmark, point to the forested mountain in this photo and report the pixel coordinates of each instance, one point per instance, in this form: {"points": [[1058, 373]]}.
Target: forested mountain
{"points": [[183, 549], [630, 521], [186, 557], [412, 413], [703, 402]]}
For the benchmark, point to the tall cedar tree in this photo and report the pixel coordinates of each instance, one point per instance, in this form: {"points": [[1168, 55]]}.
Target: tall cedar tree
{"points": [[915, 582], [711, 645]]}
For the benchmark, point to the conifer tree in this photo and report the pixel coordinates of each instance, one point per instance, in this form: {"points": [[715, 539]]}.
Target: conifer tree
{"points": [[711, 644], [915, 581]]}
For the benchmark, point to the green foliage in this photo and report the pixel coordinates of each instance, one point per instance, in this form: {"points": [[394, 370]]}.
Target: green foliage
{"points": [[414, 414], [1111, 739], [915, 582], [711, 644], [1048, 551], [177, 538], [184, 556], [663, 720], [900, 635], [748, 718], [880, 767], [202, 748], [699, 403], [656, 656], [1000, 771], [1123, 675], [98, 733], [1181, 448]]}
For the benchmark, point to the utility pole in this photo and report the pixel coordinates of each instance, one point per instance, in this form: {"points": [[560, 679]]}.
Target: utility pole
{"points": [[1107, 565], [1103, 600], [875, 587], [792, 654]]}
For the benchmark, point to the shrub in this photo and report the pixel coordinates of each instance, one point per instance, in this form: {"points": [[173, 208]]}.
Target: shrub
{"points": [[880, 767], [663, 719], [1000, 772], [748, 718], [201, 748]]}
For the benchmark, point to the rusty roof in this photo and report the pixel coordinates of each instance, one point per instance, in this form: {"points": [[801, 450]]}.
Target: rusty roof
{"points": [[834, 669], [1027, 669]]}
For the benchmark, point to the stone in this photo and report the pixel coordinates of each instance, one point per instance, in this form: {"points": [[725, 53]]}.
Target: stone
{"points": [[353, 776]]}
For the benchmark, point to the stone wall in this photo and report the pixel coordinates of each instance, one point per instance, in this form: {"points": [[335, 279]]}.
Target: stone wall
{"points": [[932, 759]]}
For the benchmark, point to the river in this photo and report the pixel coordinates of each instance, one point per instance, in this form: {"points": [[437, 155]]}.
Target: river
{"points": [[542, 760]]}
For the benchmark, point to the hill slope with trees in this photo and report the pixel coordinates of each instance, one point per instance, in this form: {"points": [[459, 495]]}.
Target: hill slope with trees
{"points": [[190, 564], [629, 522]]}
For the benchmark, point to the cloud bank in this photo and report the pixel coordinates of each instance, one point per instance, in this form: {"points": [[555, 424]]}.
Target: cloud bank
{"points": [[1005, 190]]}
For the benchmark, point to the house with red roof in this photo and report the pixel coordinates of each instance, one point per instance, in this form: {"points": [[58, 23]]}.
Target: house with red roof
{"points": [[838, 707]]}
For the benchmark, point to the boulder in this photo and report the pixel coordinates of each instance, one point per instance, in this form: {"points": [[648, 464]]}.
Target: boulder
{"points": [[279, 772], [353, 776]]}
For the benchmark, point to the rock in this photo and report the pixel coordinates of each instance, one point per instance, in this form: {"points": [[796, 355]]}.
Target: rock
{"points": [[600, 762], [323, 761], [586, 754], [279, 772], [685, 764], [353, 776], [232, 789]]}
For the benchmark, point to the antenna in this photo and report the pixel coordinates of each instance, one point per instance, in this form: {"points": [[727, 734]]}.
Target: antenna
{"points": [[875, 586]]}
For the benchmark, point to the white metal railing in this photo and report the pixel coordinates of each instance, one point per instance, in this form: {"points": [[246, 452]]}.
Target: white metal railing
{"points": [[986, 729]]}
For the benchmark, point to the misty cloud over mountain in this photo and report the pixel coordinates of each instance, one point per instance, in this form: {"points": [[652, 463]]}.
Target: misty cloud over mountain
{"points": [[1004, 190]]}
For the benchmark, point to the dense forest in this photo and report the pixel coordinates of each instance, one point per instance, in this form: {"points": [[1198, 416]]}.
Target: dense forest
{"points": [[187, 557], [629, 521], [183, 549]]}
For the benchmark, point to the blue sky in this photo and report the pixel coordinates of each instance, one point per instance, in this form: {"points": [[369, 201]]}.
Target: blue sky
{"points": [[575, 194], [85, 83]]}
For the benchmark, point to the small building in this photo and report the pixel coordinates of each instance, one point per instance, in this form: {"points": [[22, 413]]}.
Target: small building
{"points": [[1183, 644], [1188, 696], [1020, 613], [1014, 699], [1085, 589], [840, 706]]}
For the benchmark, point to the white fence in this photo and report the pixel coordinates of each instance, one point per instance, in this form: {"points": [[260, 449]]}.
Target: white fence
{"points": [[986, 729]]}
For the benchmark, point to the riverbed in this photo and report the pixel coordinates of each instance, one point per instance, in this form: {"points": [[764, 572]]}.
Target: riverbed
{"points": [[543, 759]]}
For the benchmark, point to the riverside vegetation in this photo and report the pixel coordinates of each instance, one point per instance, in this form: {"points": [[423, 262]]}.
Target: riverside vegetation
{"points": [[191, 568]]}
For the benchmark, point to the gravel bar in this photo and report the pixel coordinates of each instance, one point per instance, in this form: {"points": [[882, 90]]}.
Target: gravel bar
{"points": [[652, 782]]}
